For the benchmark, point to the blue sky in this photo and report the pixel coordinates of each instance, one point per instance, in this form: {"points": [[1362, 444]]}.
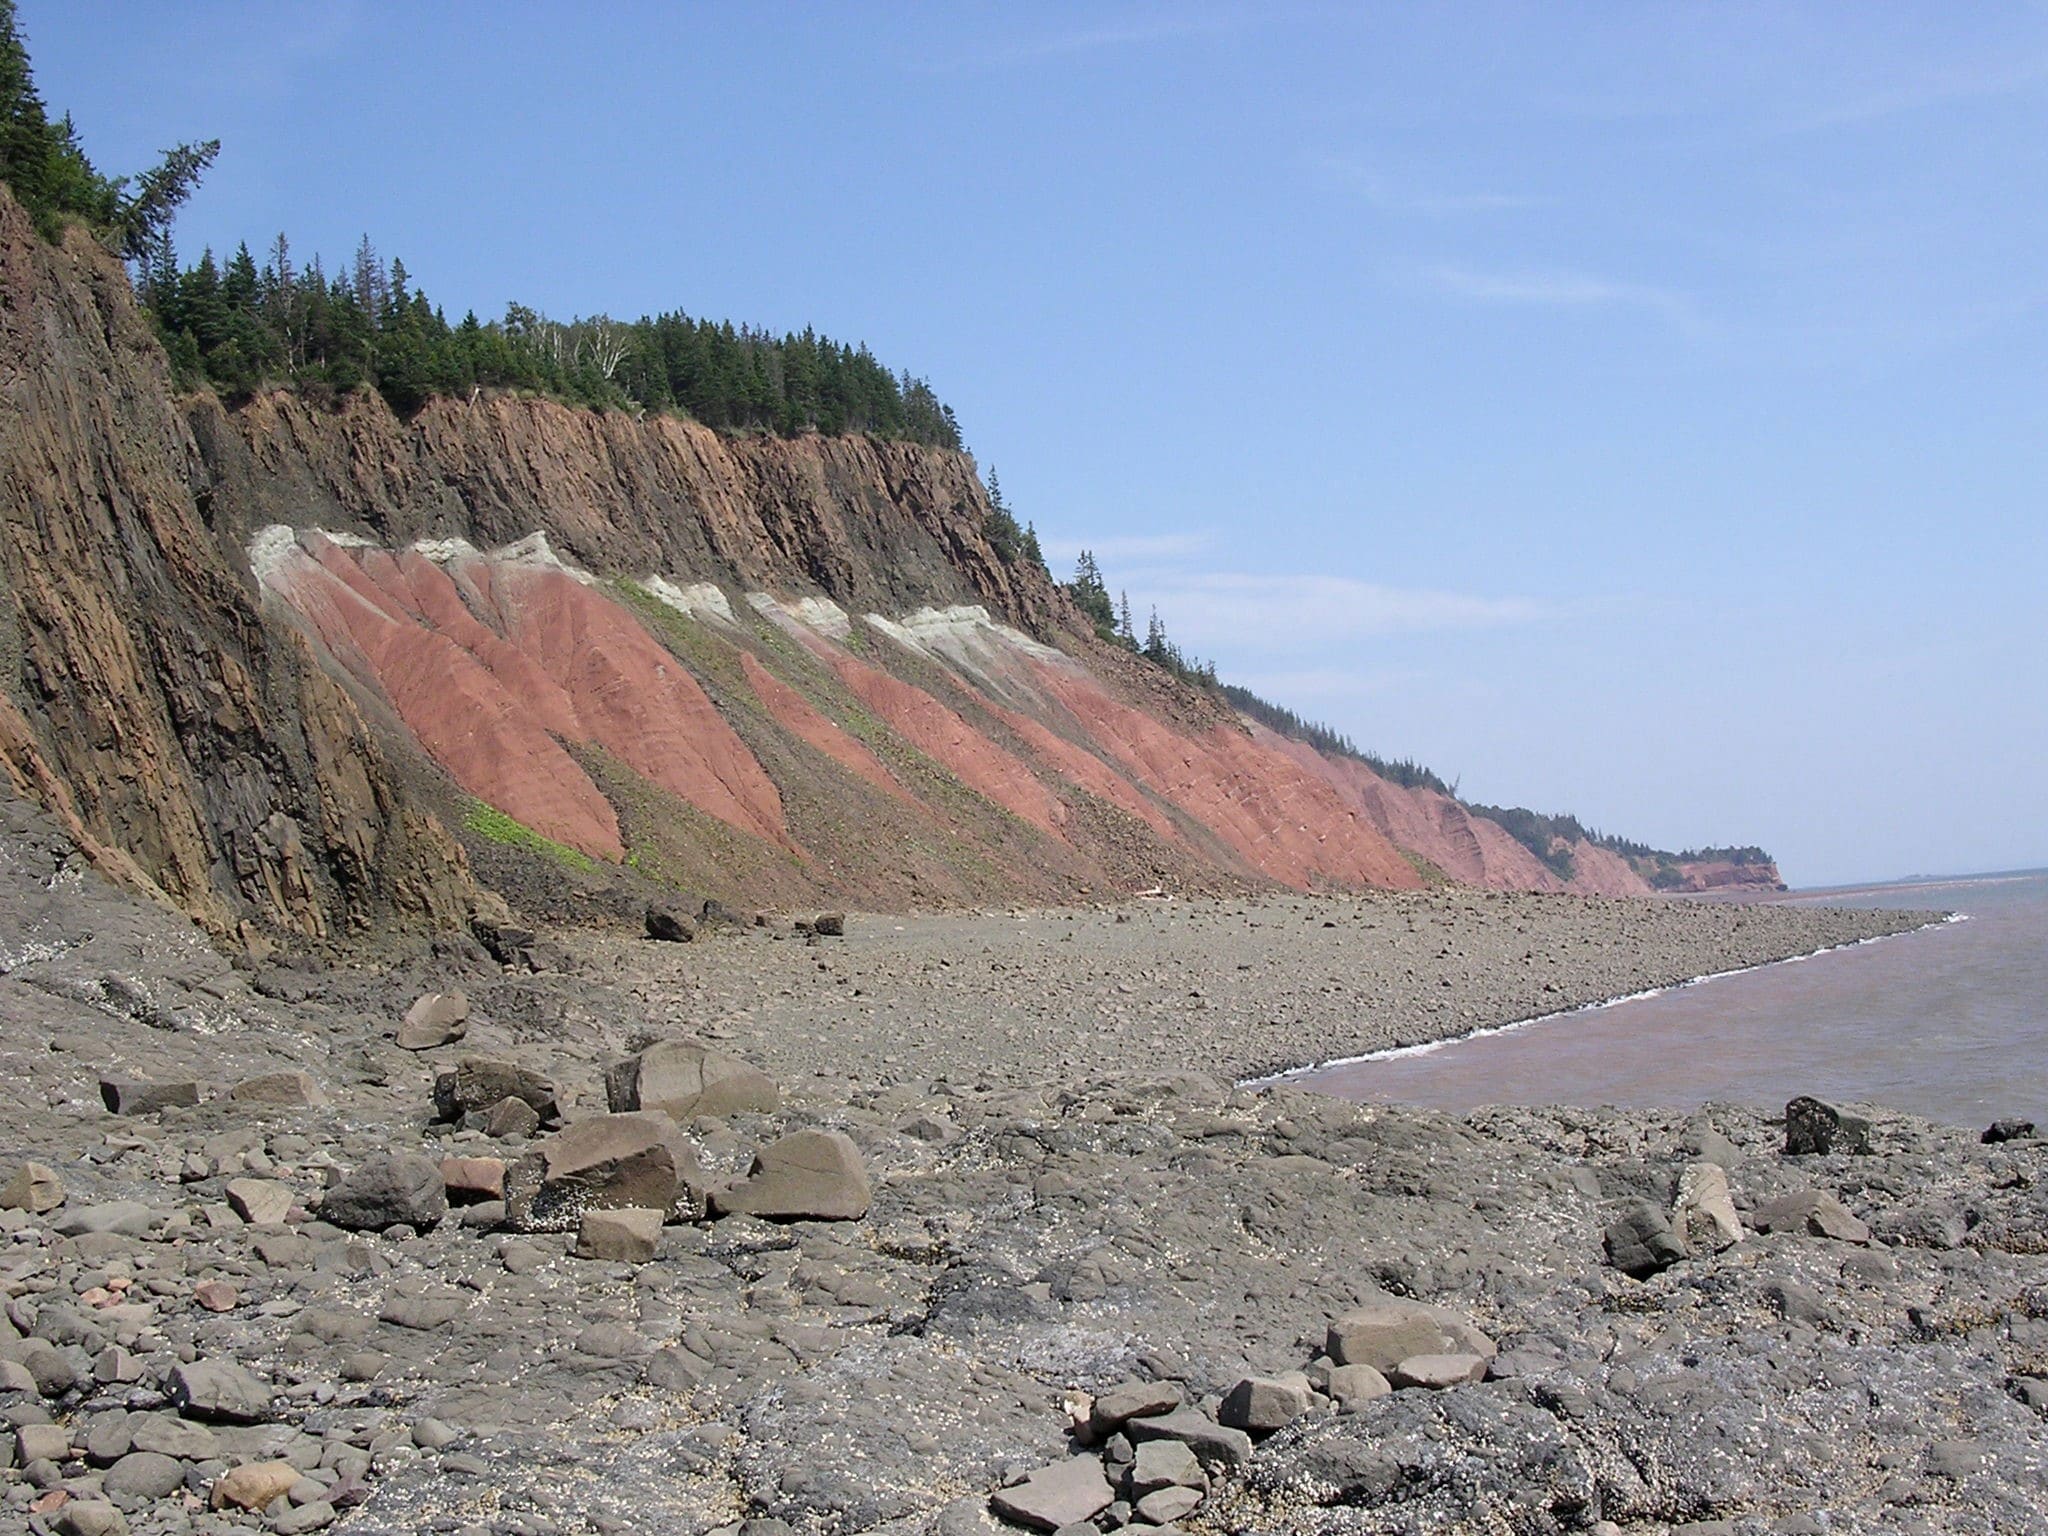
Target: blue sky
{"points": [[1637, 411]]}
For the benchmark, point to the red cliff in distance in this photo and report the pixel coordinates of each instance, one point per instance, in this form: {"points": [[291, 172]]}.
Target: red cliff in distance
{"points": [[276, 661]]}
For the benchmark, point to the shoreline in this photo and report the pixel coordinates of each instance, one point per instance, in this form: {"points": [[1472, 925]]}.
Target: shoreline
{"points": [[1302, 1076]]}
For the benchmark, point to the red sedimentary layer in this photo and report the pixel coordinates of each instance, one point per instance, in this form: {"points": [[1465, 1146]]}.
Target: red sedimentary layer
{"points": [[793, 712], [1470, 849], [943, 736], [494, 664], [1287, 823]]}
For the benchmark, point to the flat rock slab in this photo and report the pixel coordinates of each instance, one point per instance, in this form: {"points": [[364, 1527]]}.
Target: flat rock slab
{"points": [[283, 1090], [807, 1176], [1437, 1372], [685, 1078], [1133, 1400], [126, 1218], [1066, 1493], [1382, 1334], [1165, 1464], [260, 1202], [1168, 1505], [1814, 1213], [218, 1390]]}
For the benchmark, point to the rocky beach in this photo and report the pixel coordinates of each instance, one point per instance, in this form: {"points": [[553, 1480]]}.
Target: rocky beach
{"points": [[959, 1223]]}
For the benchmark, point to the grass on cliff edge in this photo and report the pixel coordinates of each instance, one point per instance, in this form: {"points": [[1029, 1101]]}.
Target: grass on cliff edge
{"points": [[493, 825]]}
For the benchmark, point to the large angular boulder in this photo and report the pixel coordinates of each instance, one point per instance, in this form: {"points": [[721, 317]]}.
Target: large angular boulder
{"points": [[1813, 1127], [35, 1188], [606, 1162], [1382, 1334], [668, 925], [684, 1078], [1262, 1404], [388, 1189], [131, 1096], [1640, 1242], [806, 1176], [478, 1082], [436, 1019]]}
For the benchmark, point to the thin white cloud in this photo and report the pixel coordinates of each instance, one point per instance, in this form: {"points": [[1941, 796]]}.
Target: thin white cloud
{"points": [[1391, 195], [1938, 88], [1138, 32], [1556, 289], [1278, 614]]}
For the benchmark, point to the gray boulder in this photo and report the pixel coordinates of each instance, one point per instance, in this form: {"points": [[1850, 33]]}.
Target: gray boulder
{"points": [[605, 1162], [1640, 1242], [627, 1235], [1813, 1127], [476, 1083], [218, 1391], [1132, 1400], [132, 1096], [1262, 1404], [1813, 1213], [1217, 1445], [668, 925], [282, 1090], [435, 1019], [34, 1188], [387, 1190]]}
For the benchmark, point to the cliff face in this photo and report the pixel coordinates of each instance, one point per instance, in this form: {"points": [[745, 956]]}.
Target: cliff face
{"points": [[299, 667], [190, 746]]}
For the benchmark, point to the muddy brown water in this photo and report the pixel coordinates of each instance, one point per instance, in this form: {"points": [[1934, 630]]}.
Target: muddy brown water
{"points": [[1950, 1022]]}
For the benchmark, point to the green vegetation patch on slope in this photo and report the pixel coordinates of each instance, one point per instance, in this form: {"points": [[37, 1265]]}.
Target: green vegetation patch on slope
{"points": [[494, 826]]}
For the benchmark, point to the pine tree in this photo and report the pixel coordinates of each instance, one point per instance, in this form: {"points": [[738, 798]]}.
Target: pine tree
{"points": [[1123, 621]]}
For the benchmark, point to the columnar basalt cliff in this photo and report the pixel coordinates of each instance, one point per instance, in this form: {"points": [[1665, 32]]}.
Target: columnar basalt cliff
{"points": [[302, 666]]}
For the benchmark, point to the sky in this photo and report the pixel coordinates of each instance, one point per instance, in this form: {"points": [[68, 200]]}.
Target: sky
{"points": [[1636, 411]]}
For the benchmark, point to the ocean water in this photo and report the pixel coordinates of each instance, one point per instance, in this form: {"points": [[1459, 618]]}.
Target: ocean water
{"points": [[1950, 1022]]}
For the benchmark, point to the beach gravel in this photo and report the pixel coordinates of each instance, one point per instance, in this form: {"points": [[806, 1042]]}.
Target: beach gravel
{"points": [[1074, 1267]]}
